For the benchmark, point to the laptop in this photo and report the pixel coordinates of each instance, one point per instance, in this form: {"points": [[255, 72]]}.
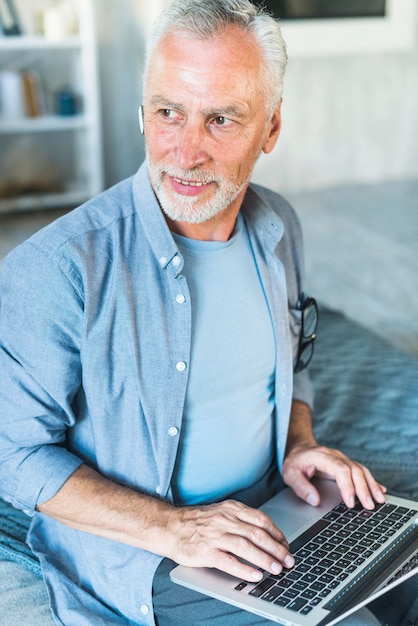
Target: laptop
{"points": [[345, 558]]}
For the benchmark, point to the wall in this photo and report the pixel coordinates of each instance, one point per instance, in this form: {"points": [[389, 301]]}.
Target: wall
{"points": [[347, 118]]}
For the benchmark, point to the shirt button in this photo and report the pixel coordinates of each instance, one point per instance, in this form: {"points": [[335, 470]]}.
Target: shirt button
{"points": [[181, 366], [158, 490], [176, 261], [180, 299], [162, 261], [173, 431], [144, 609]]}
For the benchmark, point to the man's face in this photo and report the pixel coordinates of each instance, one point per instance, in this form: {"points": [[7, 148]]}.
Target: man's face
{"points": [[205, 123]]}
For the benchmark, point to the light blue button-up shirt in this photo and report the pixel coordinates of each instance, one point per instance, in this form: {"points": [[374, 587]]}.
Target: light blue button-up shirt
{"points": [[95, 334]]}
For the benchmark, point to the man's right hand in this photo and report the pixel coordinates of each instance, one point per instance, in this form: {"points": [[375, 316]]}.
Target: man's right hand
{"points": [[219, 535]]}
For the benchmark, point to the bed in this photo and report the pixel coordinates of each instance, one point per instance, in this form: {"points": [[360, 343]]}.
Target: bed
{"points": [[366, 405]]}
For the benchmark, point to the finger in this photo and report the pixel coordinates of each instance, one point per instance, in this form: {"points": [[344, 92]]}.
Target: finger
{"points": [[257, 518], [262, 543], [367, 489], [229, 564], [297, 480], [354, 480], [220, 535], [245, 559]]}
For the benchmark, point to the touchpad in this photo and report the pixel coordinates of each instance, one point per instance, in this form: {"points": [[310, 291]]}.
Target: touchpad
{"points": [[289, 523]]}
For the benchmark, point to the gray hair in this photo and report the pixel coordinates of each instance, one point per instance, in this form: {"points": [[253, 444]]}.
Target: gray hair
{"points": [[208, 18]]}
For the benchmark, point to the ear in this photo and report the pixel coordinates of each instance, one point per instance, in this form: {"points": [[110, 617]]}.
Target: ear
{"points": [[273, 130]]}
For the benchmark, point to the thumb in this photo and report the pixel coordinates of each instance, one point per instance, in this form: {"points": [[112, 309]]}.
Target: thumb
{"points": [[300, 483]]}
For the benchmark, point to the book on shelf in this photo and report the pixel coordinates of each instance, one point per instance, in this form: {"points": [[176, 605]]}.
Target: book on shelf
{"points": [[21, 95], [33, 94], [9, 21]]}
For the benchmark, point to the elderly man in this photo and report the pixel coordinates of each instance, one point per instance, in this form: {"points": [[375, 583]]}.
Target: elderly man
{"points": [[149, 344]]}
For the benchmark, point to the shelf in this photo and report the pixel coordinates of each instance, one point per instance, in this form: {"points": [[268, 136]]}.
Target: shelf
{"points": [[53, 147], [33, 42], [43, 124], [33, 202]]}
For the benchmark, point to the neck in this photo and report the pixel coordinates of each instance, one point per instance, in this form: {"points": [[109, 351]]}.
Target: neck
{"points": [[219, 228], [205, 231]]}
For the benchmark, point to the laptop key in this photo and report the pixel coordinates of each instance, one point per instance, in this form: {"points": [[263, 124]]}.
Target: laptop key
{"points": [[297, 605], [300, 586], [262, 587], [302, 567], [334, 584], [272, 594], [331, 516]]}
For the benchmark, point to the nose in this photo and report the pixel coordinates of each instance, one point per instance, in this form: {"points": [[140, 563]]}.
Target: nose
{"points": [[190, 150]]}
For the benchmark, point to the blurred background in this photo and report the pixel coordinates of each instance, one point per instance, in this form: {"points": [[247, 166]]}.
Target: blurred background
{"points": [[347, 157]]}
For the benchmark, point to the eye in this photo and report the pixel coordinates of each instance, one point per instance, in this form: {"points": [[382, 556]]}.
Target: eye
{"points": [[221, 120], [168, 113]]}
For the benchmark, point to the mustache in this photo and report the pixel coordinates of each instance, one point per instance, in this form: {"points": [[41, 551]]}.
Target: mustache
{"points": [[192, 176]]}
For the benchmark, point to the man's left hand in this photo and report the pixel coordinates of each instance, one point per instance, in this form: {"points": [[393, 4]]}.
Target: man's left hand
{"points": [[305, 458], [303, 461]]}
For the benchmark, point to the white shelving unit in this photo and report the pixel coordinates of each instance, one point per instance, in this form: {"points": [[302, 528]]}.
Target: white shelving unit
{"points": [[63, 153]]}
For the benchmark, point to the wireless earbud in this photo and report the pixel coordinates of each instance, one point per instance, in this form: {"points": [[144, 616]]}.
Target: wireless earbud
{"points": [[141, 118]]}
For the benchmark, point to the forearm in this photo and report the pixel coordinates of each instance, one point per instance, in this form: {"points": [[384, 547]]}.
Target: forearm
{"points": [[300, 426], [94, 504], [208, 535]]}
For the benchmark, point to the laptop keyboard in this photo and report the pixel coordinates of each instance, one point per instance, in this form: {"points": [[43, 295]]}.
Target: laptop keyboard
{"points": [[328, 553]]}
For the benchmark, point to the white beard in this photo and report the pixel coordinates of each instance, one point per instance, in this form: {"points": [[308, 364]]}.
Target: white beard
{"points": [[192, 209]]}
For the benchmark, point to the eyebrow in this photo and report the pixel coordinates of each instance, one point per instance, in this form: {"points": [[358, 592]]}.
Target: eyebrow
{"points": [[166, 104], [224, 111]]}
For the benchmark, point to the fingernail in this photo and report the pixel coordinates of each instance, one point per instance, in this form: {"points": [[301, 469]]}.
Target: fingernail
{"points": [[257, 576], [312, 499], [276, 568], [370, 503], [289, 561]]}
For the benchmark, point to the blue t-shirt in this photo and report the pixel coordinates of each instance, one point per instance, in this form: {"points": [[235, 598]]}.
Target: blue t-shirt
{"points": [[229, 401]]}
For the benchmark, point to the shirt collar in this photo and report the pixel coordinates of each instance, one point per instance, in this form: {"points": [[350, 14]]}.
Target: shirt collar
{"points": [[258, 215], [152, 219]]}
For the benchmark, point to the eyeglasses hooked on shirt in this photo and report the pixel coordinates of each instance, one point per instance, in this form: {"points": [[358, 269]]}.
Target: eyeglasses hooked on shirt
{"points": [[308, 334]]}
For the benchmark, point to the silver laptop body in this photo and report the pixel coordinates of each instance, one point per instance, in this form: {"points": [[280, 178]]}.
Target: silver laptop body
{"points": [[318, 590]]}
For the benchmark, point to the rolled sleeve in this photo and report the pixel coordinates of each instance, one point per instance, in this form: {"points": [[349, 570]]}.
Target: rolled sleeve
{"points": [[43, 473], [303, 388], [40, 374]]}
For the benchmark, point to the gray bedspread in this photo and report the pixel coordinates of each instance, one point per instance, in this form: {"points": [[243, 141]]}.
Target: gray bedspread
{"points": [[366, 401], [366, 405]]}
